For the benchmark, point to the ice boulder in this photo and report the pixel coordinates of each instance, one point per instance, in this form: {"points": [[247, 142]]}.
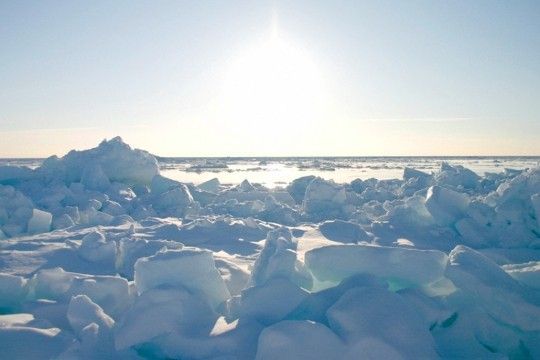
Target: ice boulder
{"points": [[82, 312], [161, 184], [162, 312], [13, 290], [111, 293], [297, 188], [343, 231], [402, 267], [445, 205], [277, 258], [94, 247], [130, 250], [299, 340], [14, 174], [363, 313], [410, 173], [271, 302], [211, 185], [118, 161], [174, 201], [482, 282], [324, 200], [40, 222], [191, 268], [63, 221], [457, 176], [93, 177]]}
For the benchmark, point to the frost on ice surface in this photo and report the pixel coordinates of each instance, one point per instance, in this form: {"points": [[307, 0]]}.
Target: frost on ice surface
{"points": [[104, 257]]}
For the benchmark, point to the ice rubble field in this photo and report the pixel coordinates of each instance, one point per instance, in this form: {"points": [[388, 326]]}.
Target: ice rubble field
{"points": [[102, 257]]}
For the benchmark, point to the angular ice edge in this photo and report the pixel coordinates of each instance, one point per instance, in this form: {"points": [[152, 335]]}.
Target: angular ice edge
{"points": [[299, 340], [445, 205], [398, 265], [40, 222], [526, 273], [211, 185], [191, 268]]}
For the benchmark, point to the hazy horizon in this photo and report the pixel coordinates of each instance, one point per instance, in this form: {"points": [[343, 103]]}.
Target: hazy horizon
{"points": [[271, 78]]}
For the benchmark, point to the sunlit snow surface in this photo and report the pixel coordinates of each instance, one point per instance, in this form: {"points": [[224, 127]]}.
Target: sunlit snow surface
{"points": [[110, 253]]}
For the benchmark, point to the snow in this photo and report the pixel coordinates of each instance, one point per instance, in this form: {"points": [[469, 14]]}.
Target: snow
{"points": [[101, 256]]}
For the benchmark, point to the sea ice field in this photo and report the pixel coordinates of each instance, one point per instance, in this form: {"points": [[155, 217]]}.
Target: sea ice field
{"points": [[114, 253]]}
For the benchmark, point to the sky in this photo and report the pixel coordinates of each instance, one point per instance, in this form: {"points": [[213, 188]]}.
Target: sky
{"points": [[271, 78]]}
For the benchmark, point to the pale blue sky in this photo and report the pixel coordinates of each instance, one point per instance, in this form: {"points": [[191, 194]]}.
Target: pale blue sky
{"points": [[197, 78]]}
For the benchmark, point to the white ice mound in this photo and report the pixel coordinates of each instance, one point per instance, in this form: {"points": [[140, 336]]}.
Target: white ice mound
{"points": [[277, 258], [445, 205], [191, 268], [363, 313], [324, 199], [401, 266], [40, 222], [299, 340], [343, 231], [82, 312], [163, 312], [116, 159], [94, 247]]}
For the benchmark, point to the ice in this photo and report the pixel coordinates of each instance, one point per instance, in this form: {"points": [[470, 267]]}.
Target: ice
{"points": [[277, 258], [457, 177], [82, 312], [94, 247], [163, 312], [13, 290], [343, 231], [211, 185], [174, 201], [445, 205], [94, 178], [191, 268], [483, 282], [118, 161], [400, 266], [324, 199], [130, 250], [63, 221], [363, 313], [270, 302], [299, 340], [26, 342], [297, 188], [526, 273], [103, 257]]}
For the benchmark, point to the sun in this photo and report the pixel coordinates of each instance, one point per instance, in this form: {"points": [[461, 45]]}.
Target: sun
{"points": [[274, 82]]}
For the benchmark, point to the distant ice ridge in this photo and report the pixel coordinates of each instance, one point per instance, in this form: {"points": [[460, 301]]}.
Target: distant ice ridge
{"points": [[103, 257]]}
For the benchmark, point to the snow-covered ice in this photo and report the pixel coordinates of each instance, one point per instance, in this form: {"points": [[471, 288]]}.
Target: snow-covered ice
{"points": [[102, 255]]}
